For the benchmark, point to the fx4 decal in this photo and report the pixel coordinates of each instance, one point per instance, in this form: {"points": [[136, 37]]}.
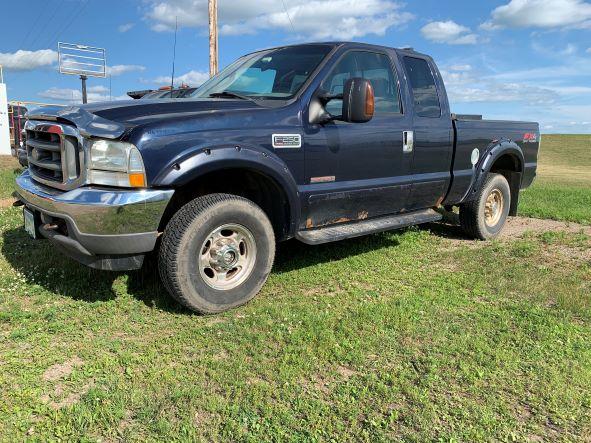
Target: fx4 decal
{"points": [[530, 137]]}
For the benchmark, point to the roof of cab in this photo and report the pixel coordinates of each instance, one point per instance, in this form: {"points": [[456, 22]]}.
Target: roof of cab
{"points": [[405, 50]]}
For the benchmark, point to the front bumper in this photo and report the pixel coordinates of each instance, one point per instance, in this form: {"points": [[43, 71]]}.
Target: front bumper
{"points": [[105, 228]]}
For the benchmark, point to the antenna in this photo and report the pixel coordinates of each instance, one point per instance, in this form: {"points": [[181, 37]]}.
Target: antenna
{"points": [[176, 25]]}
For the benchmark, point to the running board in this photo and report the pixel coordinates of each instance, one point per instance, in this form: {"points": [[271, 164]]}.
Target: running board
{"points": [[357, 229]]}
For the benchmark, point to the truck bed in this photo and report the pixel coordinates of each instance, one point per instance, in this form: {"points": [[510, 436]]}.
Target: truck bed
{"points": [[473, 132]]}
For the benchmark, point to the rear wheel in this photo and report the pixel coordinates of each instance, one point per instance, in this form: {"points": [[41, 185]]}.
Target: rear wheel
{"points": [[216, 253], [485, 216]]}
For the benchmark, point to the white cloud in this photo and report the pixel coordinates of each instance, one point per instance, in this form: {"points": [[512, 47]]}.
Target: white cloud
{"points": [[577, 67], [125, 27], [191, 78], [316, 19], [540, 14], [460, 68], [468, 87], [449, 32], [28, 60], [94, 94], [588, 51], [569, 50], [123, 69]]}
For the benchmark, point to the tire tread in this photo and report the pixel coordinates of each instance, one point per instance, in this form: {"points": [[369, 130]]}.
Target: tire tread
{"points": [[470, 214], [173, 233]]}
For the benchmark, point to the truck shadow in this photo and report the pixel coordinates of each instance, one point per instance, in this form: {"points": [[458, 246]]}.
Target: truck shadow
{"points": [[43, 268]]}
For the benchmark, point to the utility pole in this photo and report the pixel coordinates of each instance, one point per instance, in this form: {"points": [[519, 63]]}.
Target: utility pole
{"points": [[213, 37], [84, 78]]}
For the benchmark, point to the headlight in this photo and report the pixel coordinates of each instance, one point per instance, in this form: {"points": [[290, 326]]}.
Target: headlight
{"points": [[114, 163]]}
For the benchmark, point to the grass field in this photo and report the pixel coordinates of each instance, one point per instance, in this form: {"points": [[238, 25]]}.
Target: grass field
{"points": [[417, 335], [9, 170], [562, 190]]}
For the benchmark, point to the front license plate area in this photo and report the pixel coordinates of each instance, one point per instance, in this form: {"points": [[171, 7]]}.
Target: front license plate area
{"points": [[30, 227]]}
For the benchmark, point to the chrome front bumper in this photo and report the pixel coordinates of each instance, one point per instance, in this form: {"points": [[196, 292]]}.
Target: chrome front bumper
{"points": [[100, 221]]}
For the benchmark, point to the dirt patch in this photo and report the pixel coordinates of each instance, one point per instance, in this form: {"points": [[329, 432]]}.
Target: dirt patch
{"points": [[212, 321], [57, 400], [125, 423], [321, 384], [222, 355], [517, 226], [345, 373], [6, 202], [62, 370]]}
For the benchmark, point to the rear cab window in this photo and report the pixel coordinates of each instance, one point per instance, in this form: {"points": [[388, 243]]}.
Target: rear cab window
{"points": [[422, 84]]}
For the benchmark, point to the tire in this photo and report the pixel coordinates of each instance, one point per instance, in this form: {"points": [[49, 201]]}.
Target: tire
{"points": [[481, 221], [216, 253]]}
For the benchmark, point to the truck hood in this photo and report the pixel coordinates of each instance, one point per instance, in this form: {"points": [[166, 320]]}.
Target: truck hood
{"points": [[112, 119]]}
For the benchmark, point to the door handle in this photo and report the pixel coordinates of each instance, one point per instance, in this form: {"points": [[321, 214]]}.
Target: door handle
{"points": [[408, 141]]}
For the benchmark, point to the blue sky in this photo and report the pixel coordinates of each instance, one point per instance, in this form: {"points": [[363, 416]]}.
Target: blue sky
{"points": [[514, 59]]}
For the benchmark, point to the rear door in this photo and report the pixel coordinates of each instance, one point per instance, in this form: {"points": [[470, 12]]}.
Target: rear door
{"points": [[358, 170], [433, 133]]}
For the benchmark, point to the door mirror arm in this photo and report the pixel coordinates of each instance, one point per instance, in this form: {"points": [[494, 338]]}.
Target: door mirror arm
{"points": [[358, 103], [317, 111]]}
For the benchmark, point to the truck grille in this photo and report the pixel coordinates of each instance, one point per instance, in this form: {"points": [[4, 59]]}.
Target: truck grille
{"points": [[54, 154]]}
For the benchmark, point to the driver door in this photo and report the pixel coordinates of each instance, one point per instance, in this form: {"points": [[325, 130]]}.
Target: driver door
{"points": [[358, 170]]}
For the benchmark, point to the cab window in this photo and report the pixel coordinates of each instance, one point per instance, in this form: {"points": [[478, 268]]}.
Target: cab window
{"points": [[372, 66], [422, 83]]}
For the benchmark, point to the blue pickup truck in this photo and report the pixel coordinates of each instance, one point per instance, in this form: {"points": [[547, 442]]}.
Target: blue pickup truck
{"points": [[318, 142]]}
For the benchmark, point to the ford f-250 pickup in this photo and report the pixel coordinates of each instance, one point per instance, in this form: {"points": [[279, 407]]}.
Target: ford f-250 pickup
{"points": [[320, 142]]}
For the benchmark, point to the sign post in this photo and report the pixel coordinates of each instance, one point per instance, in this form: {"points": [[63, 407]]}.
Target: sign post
{"points": [[4, 126], [82, 60]]}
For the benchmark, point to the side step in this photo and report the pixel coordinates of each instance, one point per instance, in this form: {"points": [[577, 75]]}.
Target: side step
{"points": [[357, 229]]}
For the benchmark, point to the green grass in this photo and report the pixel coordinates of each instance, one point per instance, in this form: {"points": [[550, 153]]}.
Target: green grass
{"points": [[404, 336], [9, 170], [393, 336], [562, 190]]}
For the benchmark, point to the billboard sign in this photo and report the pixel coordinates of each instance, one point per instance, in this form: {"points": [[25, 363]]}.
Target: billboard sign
{"points": [[82, 60]]}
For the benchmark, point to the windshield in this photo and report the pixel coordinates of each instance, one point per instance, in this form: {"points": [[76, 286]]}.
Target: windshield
{"points": [[273, 74]]}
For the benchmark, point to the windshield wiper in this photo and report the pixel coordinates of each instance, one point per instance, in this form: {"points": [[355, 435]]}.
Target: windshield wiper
{"points": [[230, 94]]}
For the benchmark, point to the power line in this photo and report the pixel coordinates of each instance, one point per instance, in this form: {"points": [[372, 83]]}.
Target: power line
{"points": [[34, 25], [46, 22], [288, 17], [61, 31]]}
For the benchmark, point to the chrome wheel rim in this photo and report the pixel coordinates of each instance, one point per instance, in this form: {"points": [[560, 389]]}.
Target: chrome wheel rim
{"points": [[227, 257], [493, 207]]}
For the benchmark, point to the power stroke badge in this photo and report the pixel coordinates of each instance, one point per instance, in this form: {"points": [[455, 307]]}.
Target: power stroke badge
{"points": [[287, 141]]}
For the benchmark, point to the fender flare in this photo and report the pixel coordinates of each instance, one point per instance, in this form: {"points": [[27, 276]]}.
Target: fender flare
{"points": [[197, 163], [491, 154]]}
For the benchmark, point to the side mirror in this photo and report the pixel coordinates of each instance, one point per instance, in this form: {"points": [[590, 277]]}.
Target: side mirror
{"points": [[358, 100]]}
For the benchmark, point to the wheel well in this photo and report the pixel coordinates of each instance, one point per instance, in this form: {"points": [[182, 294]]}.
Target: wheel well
{"points": [[253, 185], [510, 166]]}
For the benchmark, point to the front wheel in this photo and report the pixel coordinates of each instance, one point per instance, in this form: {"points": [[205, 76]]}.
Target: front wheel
{"points": [[216, 253], [484, 217]]}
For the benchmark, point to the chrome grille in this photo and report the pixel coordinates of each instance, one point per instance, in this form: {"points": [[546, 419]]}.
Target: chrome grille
{"points": [[55, 154]]}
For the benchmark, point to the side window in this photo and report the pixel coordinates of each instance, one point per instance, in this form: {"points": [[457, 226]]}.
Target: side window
{"points": [[369, 65], [345, 69], [422, 83]]}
